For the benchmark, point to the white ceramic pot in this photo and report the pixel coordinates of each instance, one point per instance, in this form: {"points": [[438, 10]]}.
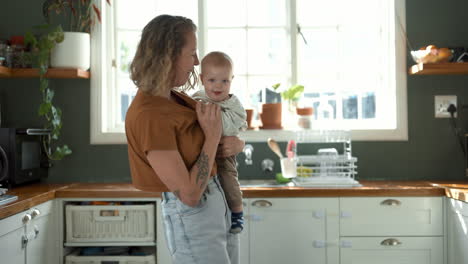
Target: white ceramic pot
{"points": [[72, 52]]}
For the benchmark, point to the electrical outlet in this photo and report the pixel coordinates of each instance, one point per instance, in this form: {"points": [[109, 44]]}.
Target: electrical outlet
{"points": [[441, 103]]}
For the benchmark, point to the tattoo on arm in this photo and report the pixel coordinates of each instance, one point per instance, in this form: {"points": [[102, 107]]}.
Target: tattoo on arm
{"points": [[202, 164]]}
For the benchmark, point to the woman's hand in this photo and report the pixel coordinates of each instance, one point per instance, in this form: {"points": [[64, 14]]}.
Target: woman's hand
{"points": [[229, 146], [209, 117]]}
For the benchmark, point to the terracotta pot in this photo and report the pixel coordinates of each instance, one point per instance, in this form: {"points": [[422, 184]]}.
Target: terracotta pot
{"points": [[306, 111], [249, 118], [271, 116]]}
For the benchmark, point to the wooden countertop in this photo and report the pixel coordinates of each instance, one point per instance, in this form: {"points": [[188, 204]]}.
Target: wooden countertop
{"points": [[31, 195]]}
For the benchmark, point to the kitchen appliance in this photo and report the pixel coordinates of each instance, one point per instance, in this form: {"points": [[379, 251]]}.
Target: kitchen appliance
{"points": [[22, 156]]}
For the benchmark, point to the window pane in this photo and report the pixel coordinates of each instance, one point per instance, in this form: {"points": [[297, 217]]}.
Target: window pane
{"points": [[268, 51], [267, 13], [127, 42], [368, 105], [226, 13], [186, 8], [318, 13], [127, 92], [319, 58], [131, 15], [234, 44]]}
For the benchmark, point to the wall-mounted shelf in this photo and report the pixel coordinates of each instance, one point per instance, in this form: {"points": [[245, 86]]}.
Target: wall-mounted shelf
{"points": [[56, 73], [448, 68]]}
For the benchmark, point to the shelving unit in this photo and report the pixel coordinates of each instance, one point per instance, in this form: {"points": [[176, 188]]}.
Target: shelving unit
{"points": [[55, 73], [448, 68]]}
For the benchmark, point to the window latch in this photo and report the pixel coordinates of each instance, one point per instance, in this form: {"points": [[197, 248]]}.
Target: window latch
{"points": [[300, 33]]}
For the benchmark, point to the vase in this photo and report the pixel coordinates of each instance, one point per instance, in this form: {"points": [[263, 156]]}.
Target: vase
{"points": [[271, 116], [72, 52], [249, 112]]}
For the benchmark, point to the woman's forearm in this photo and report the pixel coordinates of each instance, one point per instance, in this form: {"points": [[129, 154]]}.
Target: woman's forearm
{"points": [[200, 172]]}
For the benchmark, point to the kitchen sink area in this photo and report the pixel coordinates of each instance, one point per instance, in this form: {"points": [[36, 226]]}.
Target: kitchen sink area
{"points": [[264, 183]]}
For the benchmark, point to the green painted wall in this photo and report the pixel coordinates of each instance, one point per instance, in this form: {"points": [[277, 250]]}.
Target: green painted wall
{"points": [[431, 152]]}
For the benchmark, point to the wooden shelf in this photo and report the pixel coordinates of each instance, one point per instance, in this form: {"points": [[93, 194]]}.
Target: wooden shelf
{"points": [[55, 73], [447, 68]]}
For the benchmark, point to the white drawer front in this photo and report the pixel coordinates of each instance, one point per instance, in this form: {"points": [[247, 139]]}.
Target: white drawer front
{"points": [[401, 250], [391, 216]]}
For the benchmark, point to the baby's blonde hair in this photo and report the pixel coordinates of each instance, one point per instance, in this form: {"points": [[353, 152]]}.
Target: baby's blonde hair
{"points": [[217, 59]]}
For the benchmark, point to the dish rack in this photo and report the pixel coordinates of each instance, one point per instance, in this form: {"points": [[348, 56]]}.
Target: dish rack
{"points": [[328, 167]]}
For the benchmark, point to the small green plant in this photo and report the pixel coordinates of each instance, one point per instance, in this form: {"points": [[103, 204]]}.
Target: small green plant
{"points": [[292, 94], [41, 45]]}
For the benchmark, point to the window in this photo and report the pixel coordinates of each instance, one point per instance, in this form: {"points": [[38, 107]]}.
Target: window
{"points": [[349, 55]]}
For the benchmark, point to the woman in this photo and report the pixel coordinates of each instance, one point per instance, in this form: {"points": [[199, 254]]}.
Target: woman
{"points": [[173, 141]]}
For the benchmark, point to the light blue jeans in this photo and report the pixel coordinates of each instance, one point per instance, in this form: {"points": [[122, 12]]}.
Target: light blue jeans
{"points": [[200, 234]]}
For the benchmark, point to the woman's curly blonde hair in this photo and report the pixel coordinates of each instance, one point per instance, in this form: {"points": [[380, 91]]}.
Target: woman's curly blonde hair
{"points": [[152, 69]]}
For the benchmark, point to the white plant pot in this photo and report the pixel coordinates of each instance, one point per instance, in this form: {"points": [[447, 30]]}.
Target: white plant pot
{"points": [[72, 52]]}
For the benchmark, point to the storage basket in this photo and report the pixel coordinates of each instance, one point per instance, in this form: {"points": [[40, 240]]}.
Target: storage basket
{"points": [[75, 259], [110, 223]]}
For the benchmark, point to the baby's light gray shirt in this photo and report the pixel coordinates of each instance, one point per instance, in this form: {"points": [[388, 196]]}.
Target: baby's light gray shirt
{"points": [[232, 113]]}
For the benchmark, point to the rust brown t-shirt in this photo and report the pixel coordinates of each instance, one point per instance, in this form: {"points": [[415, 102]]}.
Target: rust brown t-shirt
{"points": [[157, 123]]}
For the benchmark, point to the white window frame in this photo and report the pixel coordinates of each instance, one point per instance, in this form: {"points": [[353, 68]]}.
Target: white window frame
{"points": [[101, 64]]}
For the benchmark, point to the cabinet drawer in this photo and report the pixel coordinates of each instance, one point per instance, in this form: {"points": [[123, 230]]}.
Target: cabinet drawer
{"points": [[391, 250], [18, 220], [391, 216], [110, 223]]}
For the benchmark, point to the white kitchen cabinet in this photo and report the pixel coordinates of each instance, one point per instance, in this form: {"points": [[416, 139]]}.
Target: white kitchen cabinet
{"points": [[12, 231], [30, 236], [392, 229], [457, 231], [292, 230]]}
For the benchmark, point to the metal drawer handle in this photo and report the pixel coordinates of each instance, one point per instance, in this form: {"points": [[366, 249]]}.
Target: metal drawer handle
{"points": [[26, 218], [391, 202], [35, 213], [262, 203], [390, 242]]}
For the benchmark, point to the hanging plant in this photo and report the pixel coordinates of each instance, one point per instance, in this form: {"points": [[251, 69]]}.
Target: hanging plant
{"points": [[41, 45]]}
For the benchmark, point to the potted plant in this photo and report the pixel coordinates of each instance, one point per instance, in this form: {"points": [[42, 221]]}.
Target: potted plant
{"points": [[41, 45], [74, 51], [272, 112]]}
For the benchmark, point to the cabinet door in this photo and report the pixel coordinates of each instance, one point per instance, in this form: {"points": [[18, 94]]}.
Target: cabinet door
{"points": [[457, 223], [12, 249], [41, 248], [292, 230], [401, 250]]}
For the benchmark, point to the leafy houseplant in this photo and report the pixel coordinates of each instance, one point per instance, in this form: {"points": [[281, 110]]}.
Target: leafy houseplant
{"points": [[272, 112], [74, 51], [292, 94], [41, 45]]}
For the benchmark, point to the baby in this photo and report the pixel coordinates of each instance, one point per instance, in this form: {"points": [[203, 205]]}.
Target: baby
{"points": [[216, 76]]}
